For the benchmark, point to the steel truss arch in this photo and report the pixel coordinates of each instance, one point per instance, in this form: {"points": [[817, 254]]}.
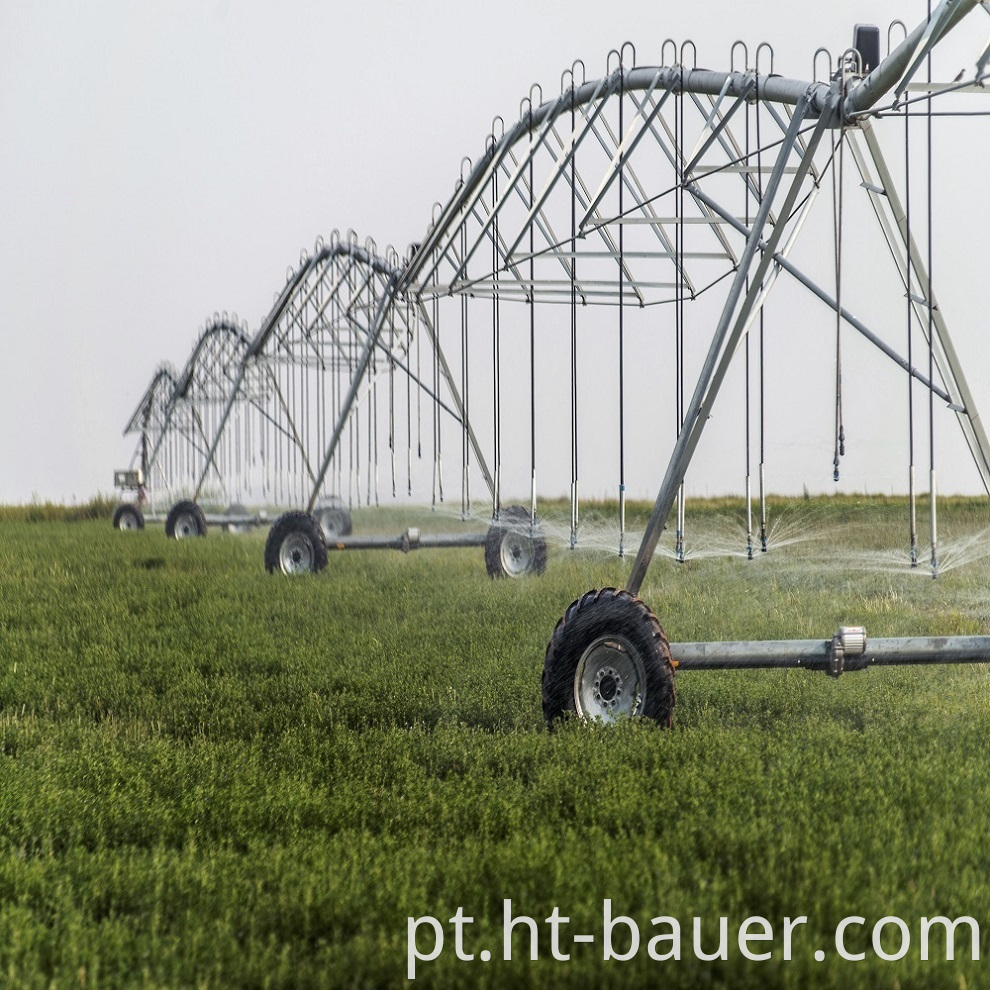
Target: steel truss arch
{"points": [[335, 332]]}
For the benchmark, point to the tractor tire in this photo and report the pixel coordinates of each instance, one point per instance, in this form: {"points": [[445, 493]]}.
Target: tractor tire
{"points": [[334, 518], [295, 545], [514, 546], [128, 516], [608, 658], [185, 519]]}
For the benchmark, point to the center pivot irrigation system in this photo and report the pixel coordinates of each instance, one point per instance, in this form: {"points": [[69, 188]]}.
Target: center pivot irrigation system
{"points": [[603, 211]]}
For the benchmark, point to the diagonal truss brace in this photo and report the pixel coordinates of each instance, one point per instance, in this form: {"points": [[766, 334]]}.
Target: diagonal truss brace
{"points": [[893, 221], [374, 333], [728, 331]]}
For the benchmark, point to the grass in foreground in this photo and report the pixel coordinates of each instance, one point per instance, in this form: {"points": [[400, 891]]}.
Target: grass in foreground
{"points": [[212, 777]]}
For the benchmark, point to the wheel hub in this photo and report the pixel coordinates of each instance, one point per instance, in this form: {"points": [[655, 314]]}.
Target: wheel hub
{"points": [[185, 526], [517, 554], [609, 680], [608, 686], [296, 554]]}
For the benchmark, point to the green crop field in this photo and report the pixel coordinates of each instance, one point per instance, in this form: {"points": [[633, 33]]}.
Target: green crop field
{"points": [[213, 777]]}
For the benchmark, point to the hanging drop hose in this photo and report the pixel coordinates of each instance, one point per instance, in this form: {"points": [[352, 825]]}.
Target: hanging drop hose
{"points": [[622, 404], [763, 488], [837, 177], [931, 336], [679, 308], [912, 494], [532, 343], [746, 399], [574, 382], [496, 357]]}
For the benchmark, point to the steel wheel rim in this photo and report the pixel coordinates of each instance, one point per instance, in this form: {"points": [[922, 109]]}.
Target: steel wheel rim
{"points": [[516, 553], [186, 525], [295, 555], [330, 523], [127, 521], [610, 680]]}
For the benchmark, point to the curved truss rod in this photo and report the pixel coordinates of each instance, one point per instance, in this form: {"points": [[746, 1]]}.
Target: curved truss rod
{"points": [[184, 381], [567, 151], [776, 88], [728, 332], [356, 294], [538, 137], [297, 308], [285, 297]]}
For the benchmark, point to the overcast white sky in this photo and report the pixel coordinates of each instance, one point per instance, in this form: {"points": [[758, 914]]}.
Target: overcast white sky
{"points": [[160, 161]]}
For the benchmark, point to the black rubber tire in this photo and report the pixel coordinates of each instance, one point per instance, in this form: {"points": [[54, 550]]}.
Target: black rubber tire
{"points": [[527, 549], [304, 532], [128, 516], [175, 530], [592, 620], [334, 518]]}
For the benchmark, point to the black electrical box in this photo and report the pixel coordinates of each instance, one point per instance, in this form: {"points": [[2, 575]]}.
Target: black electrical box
{"points": [[866, 40]]}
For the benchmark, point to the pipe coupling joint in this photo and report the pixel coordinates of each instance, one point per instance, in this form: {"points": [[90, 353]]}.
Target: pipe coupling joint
{"points": [[848, 650]]}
